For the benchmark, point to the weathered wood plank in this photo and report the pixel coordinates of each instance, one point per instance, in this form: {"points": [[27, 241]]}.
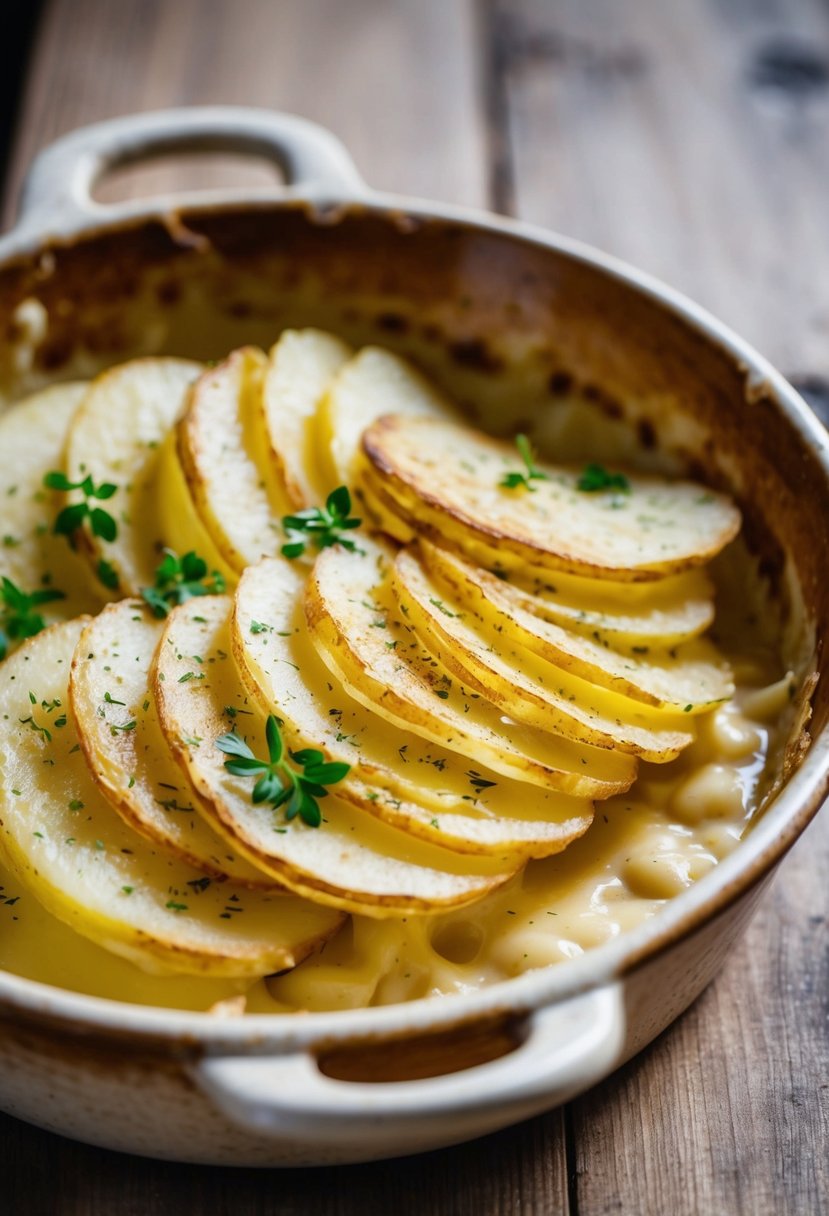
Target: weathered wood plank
{"points": [[504, 1175], [689, 139], [396, 82], [692, 140]]}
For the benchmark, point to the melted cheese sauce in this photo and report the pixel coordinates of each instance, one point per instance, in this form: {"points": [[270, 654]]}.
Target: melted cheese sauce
{"points": [[644, 847]]}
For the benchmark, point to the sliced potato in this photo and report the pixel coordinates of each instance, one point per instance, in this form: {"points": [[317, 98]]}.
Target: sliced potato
{"points": [[452, 475], [301, 366], [90, 870], [115, 437], [32, 439], [181, 525], [663, 621], [692, 681], [372, 383], [662, 612], [445, 799], [371, 647], [380, 514], [219, 453], [352, 861], [109, 689], [527, 688]]}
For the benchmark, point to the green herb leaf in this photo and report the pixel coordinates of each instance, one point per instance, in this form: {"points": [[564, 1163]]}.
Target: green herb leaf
{"points": [[232, 745], [71, 517], [178, 579], [278, 782], [512, 481], [274, 739], [595, 477], [18, 618], [322, 526], [108, 575]]}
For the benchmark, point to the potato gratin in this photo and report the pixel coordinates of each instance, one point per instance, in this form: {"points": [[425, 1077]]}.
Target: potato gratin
{"points": [[314, 696]]}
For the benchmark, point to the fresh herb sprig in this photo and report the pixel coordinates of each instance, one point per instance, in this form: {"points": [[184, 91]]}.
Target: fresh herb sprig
{"points": [[70, 518], [280, 784], [321, 526], [19, 617], [512, 481], [178, 579], [595, 477]]}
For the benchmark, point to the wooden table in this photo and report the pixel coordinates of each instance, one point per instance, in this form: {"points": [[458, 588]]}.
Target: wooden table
{"points": [[692, 138]]}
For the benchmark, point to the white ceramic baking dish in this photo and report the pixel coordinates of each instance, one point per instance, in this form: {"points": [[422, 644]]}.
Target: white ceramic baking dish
{"points": [[500, 312]]}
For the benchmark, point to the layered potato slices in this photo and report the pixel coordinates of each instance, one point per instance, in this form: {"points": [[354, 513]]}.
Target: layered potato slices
{"points": [[288, 640]]}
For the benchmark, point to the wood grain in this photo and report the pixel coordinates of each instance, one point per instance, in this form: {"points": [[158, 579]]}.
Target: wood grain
{"points": [[689, 139], [346, 65], [692, 140], [510, 1173]]}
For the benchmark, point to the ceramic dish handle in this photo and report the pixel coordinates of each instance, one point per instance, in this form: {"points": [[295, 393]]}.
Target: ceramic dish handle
{"points": [[57, 193], [567, 1048]]}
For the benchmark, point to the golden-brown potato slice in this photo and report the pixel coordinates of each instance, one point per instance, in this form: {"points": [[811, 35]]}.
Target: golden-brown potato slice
{"points": [[661, 612], [365, 639], [410, 783], [32, 439], [527, 688], [453, 474], [115, 437], [352, 861], [226, 469], [301, 367], [82, 862], [372, 383], [693, 680], [108, 691]]}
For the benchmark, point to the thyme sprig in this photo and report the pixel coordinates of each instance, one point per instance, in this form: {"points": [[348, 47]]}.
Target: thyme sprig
{"points": [[178, 579], [322, 526], [595, 477], [512, 481], [19, 617], [70, 518], [278, 782]]}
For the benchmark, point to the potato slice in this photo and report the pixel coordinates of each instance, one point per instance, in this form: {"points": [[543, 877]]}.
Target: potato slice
{"points": [[352, 861], [373, 650], [662, 612], [527, 688], [374, 382], [301, 366], [114, 437], [380, 513], [446, 799], [219, 447], [665, 619], [109, 688], [692, 681], [32, 438], [452, 475], [91, 871], [181, 525]]}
